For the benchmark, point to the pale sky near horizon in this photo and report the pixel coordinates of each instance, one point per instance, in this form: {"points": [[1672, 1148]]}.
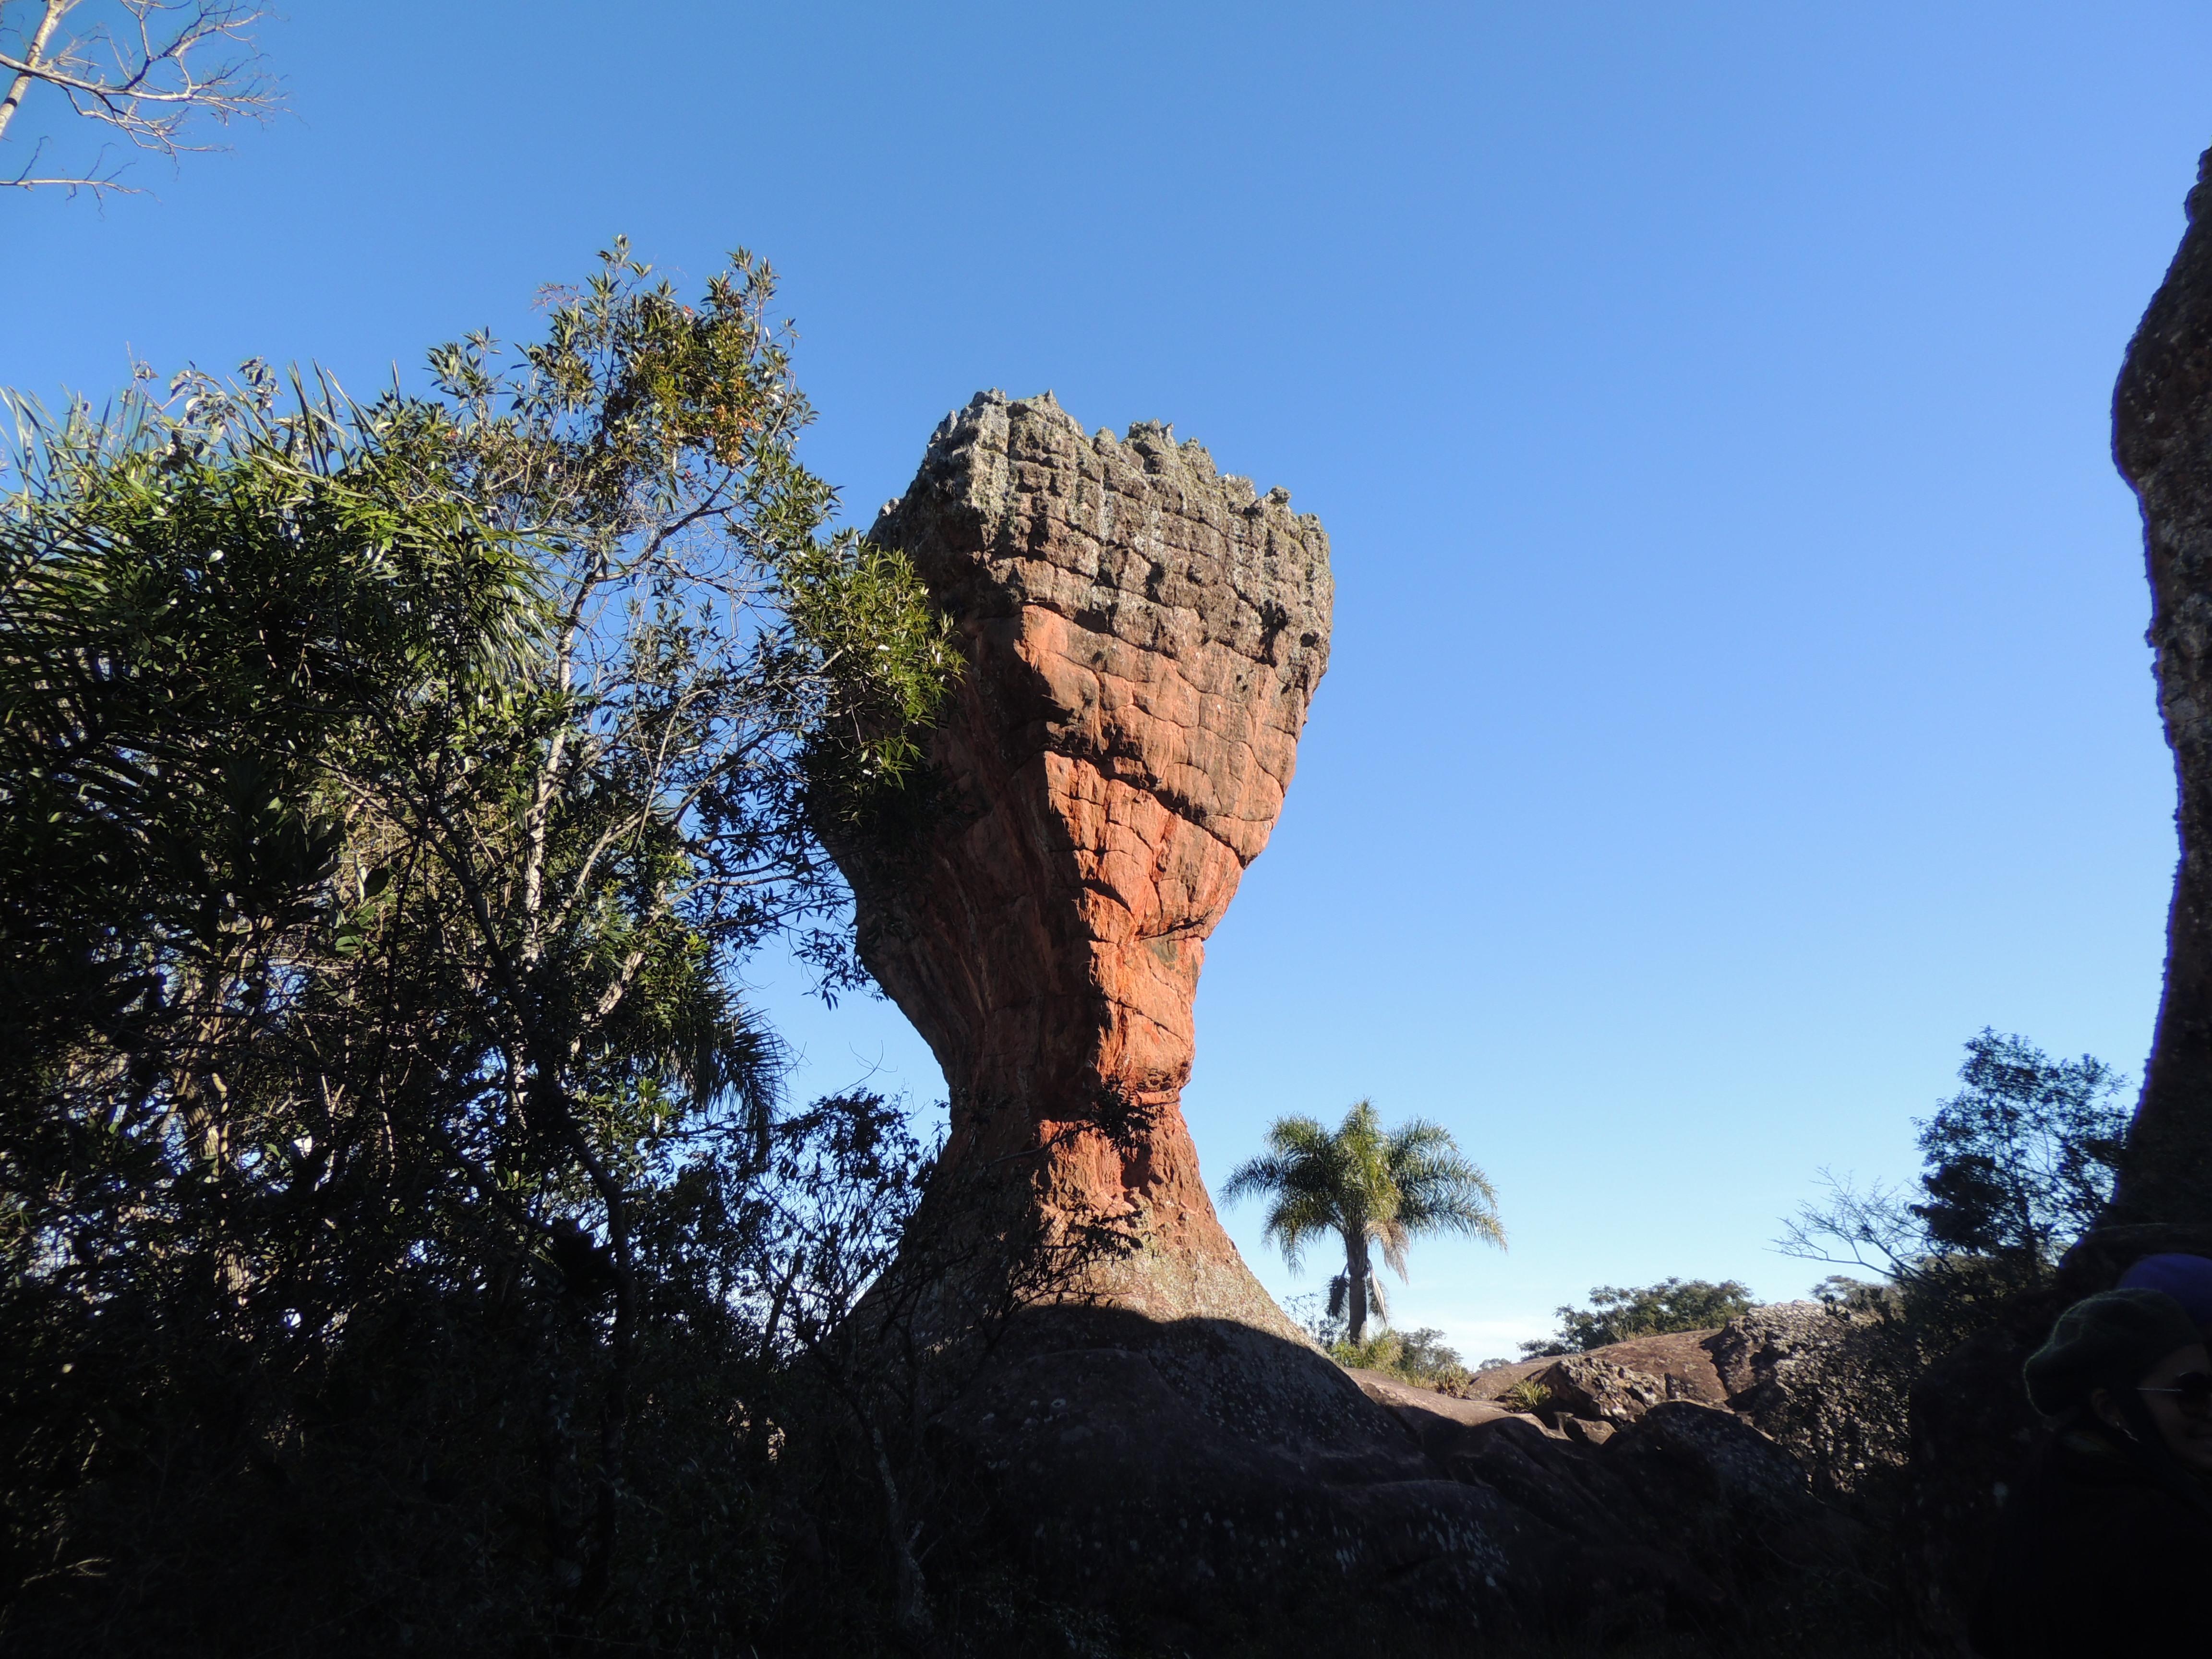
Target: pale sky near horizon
{"points": [[1738, 695]]}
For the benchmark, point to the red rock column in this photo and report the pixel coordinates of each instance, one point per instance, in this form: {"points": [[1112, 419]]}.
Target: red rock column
{"points": [[1143, 637]]}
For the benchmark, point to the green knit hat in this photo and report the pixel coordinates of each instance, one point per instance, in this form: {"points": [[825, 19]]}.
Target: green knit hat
{"points": [[2105, 1341]]}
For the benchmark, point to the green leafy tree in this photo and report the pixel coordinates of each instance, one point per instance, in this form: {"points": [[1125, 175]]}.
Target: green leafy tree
{"points": [[1371, 1187], [2015, 1167], [1615, 1315], [2016, 1164], [2022, 1160], [389, 795]]}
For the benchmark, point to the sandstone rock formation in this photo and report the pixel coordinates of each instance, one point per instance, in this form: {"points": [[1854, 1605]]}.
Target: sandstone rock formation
{"points": [[2162, 442], [1143, 637]]}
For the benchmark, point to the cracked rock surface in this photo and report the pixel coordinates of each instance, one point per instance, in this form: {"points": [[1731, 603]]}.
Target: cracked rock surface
{"points": [[1143, 637]]}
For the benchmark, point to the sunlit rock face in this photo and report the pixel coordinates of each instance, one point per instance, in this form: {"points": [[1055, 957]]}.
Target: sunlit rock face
{"points": [[1143, 637], [2162, 440]]}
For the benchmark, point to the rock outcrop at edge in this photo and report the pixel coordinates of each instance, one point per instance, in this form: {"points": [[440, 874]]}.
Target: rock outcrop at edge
{"points": [[1973, 1427], [2162, 444]]}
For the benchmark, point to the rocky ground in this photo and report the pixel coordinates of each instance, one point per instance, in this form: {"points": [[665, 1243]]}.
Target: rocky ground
{"points": [[1753, 1367], [1142, 1470]]}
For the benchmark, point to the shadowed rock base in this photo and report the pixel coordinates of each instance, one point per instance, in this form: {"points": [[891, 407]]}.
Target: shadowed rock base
{"points": [[1212, 1482]]}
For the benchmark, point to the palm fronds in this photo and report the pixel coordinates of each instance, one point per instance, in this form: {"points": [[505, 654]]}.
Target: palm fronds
{"points": [[1367, 1185]]}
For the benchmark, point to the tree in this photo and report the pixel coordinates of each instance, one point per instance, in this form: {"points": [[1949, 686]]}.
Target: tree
{"points": [[142, 70], [389, 795], [1369, 1186], [1616, 1314], [2015, 1167]]}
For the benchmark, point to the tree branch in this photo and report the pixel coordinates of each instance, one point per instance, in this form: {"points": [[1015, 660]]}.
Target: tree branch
{"points": [[146, 85]]}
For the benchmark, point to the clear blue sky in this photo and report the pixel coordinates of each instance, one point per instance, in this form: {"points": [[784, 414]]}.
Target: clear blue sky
{"points": [[1738, 695]]}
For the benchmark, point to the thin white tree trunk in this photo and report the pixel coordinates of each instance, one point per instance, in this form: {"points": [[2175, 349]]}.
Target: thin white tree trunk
{"points": [[35, 54]]}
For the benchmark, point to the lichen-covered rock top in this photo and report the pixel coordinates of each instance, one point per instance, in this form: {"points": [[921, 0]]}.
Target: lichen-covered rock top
{"points": [[1192, 613]]}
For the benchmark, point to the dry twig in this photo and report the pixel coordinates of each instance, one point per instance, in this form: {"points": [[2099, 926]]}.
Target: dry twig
{"points": [[142, 69]]}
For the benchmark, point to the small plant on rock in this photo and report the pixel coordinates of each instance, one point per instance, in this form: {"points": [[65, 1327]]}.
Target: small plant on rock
{"points": [[1527, 1395]]}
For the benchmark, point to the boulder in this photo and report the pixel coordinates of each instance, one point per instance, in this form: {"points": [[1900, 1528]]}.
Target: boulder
{"points": [[1766, 1358], [1436, 1419], [1583, 1385], [1633, 1375], [1733, 1500], [1681, 1360], [1497, 1377]]}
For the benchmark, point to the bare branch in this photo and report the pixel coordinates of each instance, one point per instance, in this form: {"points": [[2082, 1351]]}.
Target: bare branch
{"points": [[145, 72]]}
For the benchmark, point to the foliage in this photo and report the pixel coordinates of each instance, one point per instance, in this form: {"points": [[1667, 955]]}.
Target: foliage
{"points": [[2020, 1162], [1421, 1356], [1845, 1292], [389, 1170], [1368, 1186], [1616, 1314], [1527, 1395], [1424, 1353], [2016, 1166]]}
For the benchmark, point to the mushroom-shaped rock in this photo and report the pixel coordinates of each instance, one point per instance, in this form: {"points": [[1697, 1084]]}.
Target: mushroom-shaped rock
{"points": [[1143, 635]]}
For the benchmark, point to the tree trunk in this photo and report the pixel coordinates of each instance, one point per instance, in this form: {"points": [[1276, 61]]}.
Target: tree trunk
{"points": [[1356, 1269], [910, 1616]]}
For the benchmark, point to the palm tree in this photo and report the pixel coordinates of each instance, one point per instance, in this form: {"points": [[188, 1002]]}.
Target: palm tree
{"points": [[1370, 1187]]}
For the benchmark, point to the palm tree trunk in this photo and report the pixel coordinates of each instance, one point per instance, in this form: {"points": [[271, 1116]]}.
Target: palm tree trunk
{"points": [[1356, 1270]]}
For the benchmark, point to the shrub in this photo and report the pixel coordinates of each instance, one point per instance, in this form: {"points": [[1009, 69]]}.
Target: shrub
{"points": [[1616, 1314], [1527, 1395], [1420, 1356]]}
